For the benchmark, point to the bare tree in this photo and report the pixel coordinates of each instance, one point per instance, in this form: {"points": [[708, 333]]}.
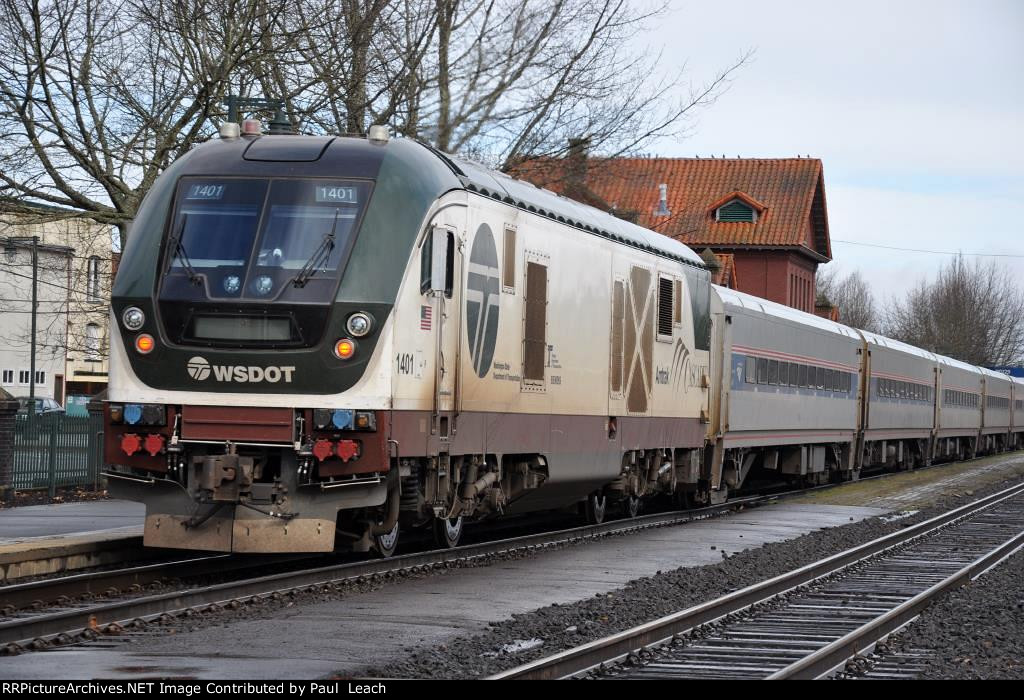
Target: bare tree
{"points": [[851, 294], [96, 98], [972, 312], [500, 80]]}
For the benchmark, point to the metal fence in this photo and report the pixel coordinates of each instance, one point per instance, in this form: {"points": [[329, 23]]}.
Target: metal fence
{"points": [[54, 450]]}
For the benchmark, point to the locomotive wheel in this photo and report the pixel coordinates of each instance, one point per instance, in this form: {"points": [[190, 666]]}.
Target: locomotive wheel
{"points": [[387, 543], [595, 507], [632, 506], [447, 533]]}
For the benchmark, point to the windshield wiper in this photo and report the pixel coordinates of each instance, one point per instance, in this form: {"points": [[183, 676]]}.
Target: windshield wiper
{"points": [[179, 252], [319, 257]]}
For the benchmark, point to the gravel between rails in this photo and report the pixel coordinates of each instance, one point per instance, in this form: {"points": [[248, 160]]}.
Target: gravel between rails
{"points": [[548, 630], [974, 633]]}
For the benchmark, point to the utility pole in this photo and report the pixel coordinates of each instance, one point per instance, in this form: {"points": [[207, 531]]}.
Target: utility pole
{"points": [[32, 359]]}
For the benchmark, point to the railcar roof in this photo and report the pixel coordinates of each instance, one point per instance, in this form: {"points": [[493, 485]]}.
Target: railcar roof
{"points": [[958, 364], [529, 197], [995, 375], [894, 344], [770, 308]]}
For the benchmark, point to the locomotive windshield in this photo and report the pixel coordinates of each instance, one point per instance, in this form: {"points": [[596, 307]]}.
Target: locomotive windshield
{"points": [[260, 240]]}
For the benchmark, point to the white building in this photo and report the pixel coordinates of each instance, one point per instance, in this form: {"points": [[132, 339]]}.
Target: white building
{"points": [[53, 305]]}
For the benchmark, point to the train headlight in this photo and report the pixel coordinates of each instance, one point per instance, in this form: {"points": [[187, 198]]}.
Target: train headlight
{"points": [[133, 318], [344, 348], [263, 285], [232, 284], [144, 343], [359, 324]]}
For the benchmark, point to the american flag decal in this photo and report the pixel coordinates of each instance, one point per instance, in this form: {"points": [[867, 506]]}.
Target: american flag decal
{"points": [[425, 313]]}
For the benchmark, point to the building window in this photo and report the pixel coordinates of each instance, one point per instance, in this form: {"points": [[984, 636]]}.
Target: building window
{"points": [[8, 376], [40, 377], [23, 376], [93, 281], [93, 339], [736, 210]]}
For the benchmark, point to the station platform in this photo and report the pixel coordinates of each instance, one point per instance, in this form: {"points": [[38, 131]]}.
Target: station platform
{"points": [[65, 519], [37, 540]]}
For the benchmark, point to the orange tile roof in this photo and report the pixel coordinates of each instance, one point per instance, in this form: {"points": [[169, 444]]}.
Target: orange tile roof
{"points": [[725, 276], [789, 194]]}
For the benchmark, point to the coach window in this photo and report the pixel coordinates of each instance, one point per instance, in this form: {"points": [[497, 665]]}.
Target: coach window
{"points": [[802, 370], [820, 377], [784, 374], [762, 370], [751, 370], [773, 371]]}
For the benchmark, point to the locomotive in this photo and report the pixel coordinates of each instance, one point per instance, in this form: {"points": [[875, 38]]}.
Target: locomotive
{"points": [[322, 342]]}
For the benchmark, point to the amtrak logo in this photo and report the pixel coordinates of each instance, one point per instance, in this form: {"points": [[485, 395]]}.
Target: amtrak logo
{"points": [[482, 296], [198, 368]]}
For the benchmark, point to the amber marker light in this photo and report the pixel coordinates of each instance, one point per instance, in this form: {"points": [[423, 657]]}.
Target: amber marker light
{"points": [[144, 343], [344, 349]]}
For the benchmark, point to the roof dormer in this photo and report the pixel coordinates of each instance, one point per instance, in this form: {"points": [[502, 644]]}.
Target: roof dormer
{"points": [[737, 207]]}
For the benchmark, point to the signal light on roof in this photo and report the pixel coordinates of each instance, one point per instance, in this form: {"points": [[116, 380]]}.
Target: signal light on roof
{"points": [[144, 343], [344, 349], [252, 127]]}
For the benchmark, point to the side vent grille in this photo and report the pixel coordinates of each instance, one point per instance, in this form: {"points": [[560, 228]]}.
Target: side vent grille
{"points": [[665, 306]]}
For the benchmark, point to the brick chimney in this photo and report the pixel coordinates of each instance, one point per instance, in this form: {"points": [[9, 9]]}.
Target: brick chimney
{"points": [[576, 166]]}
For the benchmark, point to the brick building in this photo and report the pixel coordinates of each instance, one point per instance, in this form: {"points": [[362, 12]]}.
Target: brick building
{"points": [[762, 221]]}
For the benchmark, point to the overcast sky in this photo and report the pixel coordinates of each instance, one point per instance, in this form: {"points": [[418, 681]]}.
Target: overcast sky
{"points": [[915, 108]]}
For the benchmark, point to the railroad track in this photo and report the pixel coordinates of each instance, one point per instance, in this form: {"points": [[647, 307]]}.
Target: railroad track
{"points": [[64, 610], [62, 590], [37, 630], [808, 623]]}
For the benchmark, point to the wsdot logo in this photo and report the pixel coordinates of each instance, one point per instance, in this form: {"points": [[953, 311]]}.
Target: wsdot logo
{"points": [[198, 368]]}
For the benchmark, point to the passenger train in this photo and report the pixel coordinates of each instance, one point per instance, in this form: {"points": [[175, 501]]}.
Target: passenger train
{"points": [[320, 342]]}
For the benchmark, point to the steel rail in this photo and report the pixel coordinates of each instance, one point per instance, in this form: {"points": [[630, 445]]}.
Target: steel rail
{"points": [[828, 659], [21, 631], [616, 647], [49, 591]]}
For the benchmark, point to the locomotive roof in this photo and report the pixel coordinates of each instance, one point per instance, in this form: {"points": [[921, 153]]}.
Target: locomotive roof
{"points": [[770, 308], [305, 155], [529, 197]]}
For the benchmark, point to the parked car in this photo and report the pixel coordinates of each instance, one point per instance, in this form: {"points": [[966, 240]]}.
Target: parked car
{"points": [[42, 405]]}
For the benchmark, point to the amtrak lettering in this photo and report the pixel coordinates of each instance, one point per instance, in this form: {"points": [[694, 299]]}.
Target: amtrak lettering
{"points": [[199, 369], [482, 296]]}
